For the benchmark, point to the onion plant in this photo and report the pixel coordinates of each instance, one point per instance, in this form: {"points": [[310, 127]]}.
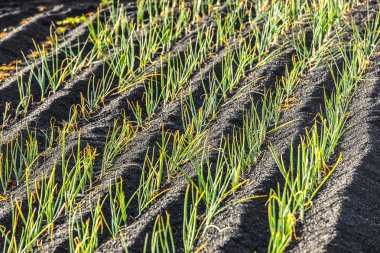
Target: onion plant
{"points": [[20, 155], [26, 98], [165, 166], [87, 238], [117, 141], [118, 208], [162, 239], [98, 90]]}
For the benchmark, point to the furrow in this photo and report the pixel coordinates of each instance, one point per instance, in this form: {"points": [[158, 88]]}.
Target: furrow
{"points": [[204, 131], [56, 106], [66, 97], [345, 216], [95, 134], [10, 18], [244, 227], [95, 131], [9, 85], [229, 116], [169, 117], [8, 44], [37, 28]]}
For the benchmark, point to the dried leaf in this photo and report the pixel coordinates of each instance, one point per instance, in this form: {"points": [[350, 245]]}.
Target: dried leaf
{"points": [[25, 20], [41, 8], [3, 75]]}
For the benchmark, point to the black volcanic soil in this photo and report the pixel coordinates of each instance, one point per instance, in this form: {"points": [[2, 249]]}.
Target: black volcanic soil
{"points": [[345, 216]]}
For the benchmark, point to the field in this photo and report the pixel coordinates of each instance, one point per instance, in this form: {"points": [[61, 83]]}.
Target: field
{"points": [[189, 126]]}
